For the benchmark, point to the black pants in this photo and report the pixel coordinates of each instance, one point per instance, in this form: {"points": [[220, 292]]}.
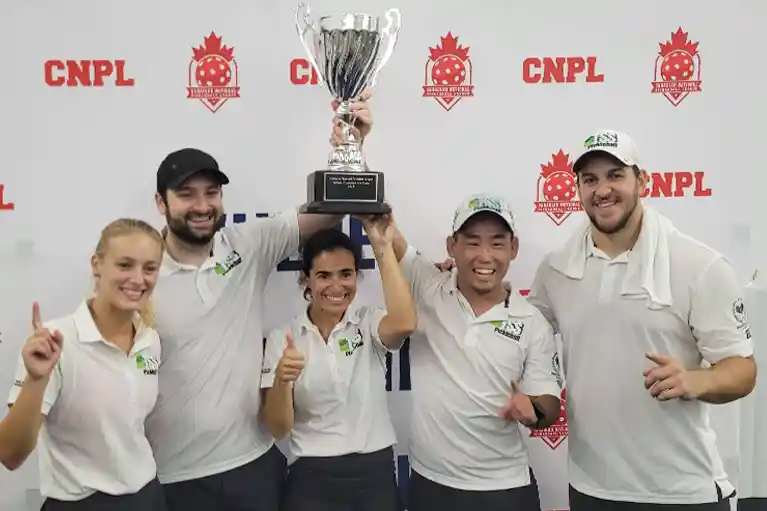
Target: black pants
{"points": [[752, 504], [426, 495], [256, 486], [354, 482], [581, 502], [148, 498]]}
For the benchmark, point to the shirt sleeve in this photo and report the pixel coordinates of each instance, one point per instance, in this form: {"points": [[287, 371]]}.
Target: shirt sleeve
{"points": [[373, 317], [717, 315], [51, 391], [420, 272], [275, 346], [539, 298], [542, 374], [271, 239]]}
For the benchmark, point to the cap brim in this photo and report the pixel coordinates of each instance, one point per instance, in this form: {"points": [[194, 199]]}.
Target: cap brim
{"points": [[458, 226], [219, 176], [611, 152]]}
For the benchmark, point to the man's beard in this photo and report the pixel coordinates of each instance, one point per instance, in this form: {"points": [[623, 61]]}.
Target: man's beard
{"points": [[182, 231], [620, 224]]}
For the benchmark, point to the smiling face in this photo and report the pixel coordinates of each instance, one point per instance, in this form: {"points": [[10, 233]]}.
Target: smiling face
{"points": [[609, 192], [332, 280], [126, 268], [483, 250], [194, 211]]}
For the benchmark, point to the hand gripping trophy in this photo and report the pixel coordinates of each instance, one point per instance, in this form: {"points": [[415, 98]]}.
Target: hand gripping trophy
{"points": [[347, 51]]}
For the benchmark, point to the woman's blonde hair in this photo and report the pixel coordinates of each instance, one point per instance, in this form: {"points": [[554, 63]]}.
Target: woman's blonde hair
{"points": [[122, 227]]}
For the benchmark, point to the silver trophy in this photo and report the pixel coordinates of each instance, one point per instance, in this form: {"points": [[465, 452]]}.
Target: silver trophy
{"points": [[347, 51]]}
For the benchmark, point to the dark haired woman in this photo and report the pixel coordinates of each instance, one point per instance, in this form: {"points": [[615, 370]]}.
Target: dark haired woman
{"points": [[324, 374]]}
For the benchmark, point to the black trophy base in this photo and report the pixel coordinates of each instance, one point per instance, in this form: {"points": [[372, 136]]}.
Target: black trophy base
{"points": [[334, 192]]}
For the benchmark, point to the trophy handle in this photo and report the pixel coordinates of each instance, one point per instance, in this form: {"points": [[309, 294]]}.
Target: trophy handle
{"points": [[391, 29], [304, 26]]}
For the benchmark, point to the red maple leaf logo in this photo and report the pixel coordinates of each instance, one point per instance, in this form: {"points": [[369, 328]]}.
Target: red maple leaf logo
{"points": [[449, 46], [213, 46], [678, 41], [560, 162]]}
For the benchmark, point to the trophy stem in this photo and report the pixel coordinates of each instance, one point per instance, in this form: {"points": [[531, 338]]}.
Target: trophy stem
{"points": [[348, 155]]}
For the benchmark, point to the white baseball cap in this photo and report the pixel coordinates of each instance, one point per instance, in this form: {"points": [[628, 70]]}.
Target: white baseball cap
{"points": [[616, 144], [483, 202]]}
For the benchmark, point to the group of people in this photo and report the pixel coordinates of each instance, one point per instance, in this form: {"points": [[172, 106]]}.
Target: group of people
{"points": [[175, 403]]}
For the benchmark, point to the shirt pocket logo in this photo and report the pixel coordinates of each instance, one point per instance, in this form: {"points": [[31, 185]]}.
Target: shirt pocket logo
{"points": [[147, 364]]}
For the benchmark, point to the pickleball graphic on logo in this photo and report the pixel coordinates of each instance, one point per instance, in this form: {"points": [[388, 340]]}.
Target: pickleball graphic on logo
{"points": [[677, 68], [557, 193], [213, 74], [448, 73], [556, 434]]}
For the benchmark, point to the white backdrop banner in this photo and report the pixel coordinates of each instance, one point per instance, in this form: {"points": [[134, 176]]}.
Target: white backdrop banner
{"points": [[97, 93]]}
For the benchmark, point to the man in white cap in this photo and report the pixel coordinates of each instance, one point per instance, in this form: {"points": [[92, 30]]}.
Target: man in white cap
{"points": [[482, 361], [654, 330]]}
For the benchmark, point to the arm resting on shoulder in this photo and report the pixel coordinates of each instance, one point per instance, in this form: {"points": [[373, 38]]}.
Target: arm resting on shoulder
{"points": [[730, 379], [277, 409], [400, 319], [20, 428]]}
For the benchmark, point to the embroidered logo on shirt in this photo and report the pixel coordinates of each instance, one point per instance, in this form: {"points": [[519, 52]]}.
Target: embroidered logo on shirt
{"points": [[739, 313], [148, 364], [510, 329], [349, 347], [232, 260], [556, 369]]}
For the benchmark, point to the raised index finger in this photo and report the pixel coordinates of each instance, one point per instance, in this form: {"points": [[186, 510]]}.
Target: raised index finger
{"points": [[37, 323]]}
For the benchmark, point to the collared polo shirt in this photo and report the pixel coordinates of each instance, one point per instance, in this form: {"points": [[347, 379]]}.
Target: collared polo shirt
{"points": [[462, 367], [340, 398], [95, 404], [210, 323], [624, 445]]}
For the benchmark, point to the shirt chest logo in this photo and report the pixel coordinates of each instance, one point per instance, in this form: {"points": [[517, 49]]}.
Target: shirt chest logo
{"points": [[231, 262], [509, 329], [349, 346], [148, 364]]}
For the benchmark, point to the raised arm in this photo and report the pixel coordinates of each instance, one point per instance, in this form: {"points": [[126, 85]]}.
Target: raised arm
{"points": [[400, 319], [35, 390]]}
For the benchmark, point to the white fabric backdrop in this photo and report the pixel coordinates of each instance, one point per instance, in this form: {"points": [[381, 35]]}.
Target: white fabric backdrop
{"points": [[76, 157]]}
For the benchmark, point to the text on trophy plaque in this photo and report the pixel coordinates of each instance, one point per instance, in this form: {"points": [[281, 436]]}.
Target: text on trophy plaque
{"points": [[355, 186]]}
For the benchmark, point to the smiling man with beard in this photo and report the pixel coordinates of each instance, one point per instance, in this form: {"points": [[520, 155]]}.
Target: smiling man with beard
{"points": [[654, 330], [212, 452]]}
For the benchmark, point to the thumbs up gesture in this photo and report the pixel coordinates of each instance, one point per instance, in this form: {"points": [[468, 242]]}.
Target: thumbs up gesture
{"points": [[519, 407], [42, 350], [292, 362]]}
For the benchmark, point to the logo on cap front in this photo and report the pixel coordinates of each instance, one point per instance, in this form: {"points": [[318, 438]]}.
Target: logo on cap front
{"points": [[602, 139], [213, 74]]}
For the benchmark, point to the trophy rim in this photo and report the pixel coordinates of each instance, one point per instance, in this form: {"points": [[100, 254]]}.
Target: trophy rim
{"points": [[350, 21]]}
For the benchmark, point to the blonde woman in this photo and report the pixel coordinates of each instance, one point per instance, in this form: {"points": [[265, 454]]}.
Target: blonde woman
{"points": [[86, 382]]}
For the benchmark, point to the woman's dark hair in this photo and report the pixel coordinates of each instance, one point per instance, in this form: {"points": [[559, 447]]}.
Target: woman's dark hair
{"points": [[326, 241]]}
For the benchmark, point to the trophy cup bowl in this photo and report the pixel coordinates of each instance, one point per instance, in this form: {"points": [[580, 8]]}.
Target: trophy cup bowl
{"points": [[348, 52]]}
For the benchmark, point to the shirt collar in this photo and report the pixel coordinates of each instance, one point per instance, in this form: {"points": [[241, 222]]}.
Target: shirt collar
{"points": [[350, 317], [593, 251], [517, 306], [88, 332], [221, 249]]}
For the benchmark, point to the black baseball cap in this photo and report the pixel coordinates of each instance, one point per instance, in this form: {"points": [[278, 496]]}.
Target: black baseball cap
{"points": [[180, 165]]}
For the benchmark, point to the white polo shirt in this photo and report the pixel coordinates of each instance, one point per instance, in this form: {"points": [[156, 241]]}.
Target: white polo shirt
{"points": [[624, 445], [95, 404], [340, 398], [210, 324], [462, 367]]}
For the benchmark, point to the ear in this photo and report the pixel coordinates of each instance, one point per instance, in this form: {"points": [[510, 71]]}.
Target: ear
{"points": [[450, 246], [95, 264], [160, 203], [514, 247]]}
